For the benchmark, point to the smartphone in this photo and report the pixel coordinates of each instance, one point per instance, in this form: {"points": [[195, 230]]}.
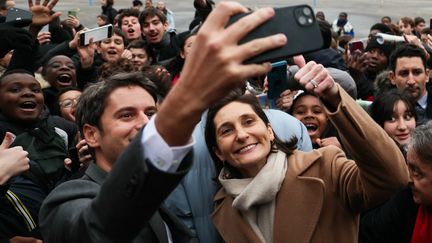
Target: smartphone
{"points": [[277, 79], [356, 45], [72, 12], [97, 34], [299, 25], [73, 155], [21, 17], [45, 28]]}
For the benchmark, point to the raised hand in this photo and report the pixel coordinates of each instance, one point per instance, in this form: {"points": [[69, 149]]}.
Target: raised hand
{"points": [[41, 12], [286, 100], [86, 54], [316, 79], [13, 161], [214, 68]]}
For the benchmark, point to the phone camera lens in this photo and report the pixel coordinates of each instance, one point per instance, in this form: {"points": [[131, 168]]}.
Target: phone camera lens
{"points": [[302, 20], [307, 11]]}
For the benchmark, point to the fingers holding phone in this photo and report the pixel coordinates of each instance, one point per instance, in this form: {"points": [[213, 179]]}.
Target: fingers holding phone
{"points": [[86, 53], [44, 38], [286, 100], [218, 60]]}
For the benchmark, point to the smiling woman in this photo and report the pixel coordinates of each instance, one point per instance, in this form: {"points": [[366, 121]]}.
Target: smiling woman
{"points": [[271, 192]]}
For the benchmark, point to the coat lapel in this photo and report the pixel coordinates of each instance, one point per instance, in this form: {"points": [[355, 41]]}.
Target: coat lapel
{"points": [[300, 200], [298, 206], [230, 223], [157, 225]]}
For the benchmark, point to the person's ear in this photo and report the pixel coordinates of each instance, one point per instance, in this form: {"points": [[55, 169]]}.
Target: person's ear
{"points": [[166, 25], [92, 135], [218, 154], [391, 76], [270, 132], [427, 75]]}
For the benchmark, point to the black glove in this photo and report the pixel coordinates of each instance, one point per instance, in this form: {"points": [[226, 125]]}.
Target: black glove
{"points": [[14, 38]]}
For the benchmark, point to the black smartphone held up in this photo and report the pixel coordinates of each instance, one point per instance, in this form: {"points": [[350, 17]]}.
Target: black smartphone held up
{"points": [[20, 17], [97, 34], [299, 25], [73, 155]]}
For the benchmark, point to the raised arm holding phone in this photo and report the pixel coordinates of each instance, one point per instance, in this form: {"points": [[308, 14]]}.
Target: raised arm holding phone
{"points": [[100, 209]]}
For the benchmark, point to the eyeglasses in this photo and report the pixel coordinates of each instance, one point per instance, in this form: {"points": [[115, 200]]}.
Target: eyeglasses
{"points": [[69, 102]]}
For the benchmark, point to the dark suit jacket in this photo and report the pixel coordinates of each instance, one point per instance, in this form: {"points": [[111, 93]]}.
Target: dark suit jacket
{"points": [[122, 206]]}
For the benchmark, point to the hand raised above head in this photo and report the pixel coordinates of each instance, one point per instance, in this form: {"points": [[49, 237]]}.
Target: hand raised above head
{"points": [[316, 79], [41, 12], [214, 67], [216, 59]]}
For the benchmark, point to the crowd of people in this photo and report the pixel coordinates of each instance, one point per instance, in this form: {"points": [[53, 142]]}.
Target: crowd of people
{"points": [[155, 135]]}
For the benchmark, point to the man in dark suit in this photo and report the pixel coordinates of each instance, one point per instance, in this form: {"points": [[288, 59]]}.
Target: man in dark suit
{"points": [[137, 166]]}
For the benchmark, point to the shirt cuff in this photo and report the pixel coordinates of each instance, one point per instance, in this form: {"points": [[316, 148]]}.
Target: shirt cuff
{"points": [[159, 153]]}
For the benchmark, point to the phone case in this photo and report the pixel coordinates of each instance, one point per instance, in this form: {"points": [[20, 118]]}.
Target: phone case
{"points": [[21, 17], [97, 34], [277, 81], [299, 25]]}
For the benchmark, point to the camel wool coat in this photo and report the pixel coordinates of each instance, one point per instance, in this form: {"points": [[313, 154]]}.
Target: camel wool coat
{"points": [[323, 192]]}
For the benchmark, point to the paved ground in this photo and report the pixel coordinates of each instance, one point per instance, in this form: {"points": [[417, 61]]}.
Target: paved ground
{"points": [[362, 13]]}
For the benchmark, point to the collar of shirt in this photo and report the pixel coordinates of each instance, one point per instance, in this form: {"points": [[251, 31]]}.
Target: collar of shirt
{"points": [[422, 102]]}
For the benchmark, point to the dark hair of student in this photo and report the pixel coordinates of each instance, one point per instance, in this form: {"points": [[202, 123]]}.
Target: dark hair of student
{"points": [[151, 12], [381, 110], [93, 100], [406, 50], [127, 13]]}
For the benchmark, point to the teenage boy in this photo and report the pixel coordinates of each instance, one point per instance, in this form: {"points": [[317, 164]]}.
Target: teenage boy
{"points": [[22, 112], [129, 24], [162, 43]]}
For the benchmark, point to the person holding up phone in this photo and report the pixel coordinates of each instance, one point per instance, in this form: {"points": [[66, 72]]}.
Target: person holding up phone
{"points": [[126, 163], [269, 192], [365, 66]]}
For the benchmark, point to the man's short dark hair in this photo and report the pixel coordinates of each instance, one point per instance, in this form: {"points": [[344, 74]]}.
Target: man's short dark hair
{"points": [[418, 20], [151, 12], [93, 100], [386, 17], [14, 71], [136, 3], [383, 28], [103, 17], [127, 13], [406, 50], [67, 89]]}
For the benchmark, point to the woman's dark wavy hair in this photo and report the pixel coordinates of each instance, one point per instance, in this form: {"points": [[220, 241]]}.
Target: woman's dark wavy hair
{"points": [[210, 129], [381, 109]]}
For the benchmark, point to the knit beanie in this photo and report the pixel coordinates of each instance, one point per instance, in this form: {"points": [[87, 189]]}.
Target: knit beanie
{"points": [[386, 48]]}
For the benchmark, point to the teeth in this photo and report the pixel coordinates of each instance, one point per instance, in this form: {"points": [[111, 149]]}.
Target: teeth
{"points": [[247, 148], [310, 126]]}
